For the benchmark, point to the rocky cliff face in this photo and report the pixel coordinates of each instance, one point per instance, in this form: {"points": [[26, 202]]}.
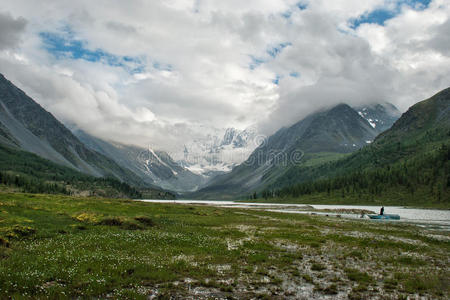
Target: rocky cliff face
{"points": [[219, 152], [152, 166], [326, 134], [26, 125]]}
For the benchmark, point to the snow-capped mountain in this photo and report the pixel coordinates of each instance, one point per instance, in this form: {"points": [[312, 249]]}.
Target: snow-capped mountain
{"points": [[183, 171], [380, 116], [327, 134], [152, 166], [219, 152], [26, 126]]}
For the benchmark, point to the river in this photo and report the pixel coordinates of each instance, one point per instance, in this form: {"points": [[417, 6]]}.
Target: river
{"points": [[427, 218]]}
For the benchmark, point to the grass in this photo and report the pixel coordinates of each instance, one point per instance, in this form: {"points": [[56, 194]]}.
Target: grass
{"points": [[315, 159], [58, 246], [357, 276], [318, 267]]}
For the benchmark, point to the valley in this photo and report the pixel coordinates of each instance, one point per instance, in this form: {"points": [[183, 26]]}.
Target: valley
{"points": [[260, 149], [54, 246], [348, 155]]}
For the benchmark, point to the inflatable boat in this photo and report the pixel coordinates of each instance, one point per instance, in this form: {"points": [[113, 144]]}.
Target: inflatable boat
{"points": [[385, 217]]}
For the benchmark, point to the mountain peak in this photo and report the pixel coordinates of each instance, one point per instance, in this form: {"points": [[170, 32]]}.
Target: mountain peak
{"points": [[340, 107], [38, 131], [341, 110], [228, 137], [381, 116], [325, 134], [426, 114], [441, 99]]}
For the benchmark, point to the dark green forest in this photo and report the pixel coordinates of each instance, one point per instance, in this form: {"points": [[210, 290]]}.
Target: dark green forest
{"points": [[33, 174], [407, 164], [425, 177]]}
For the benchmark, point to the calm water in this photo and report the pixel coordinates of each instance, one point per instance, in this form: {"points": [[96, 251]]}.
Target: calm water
{"points": [[423, 217]]}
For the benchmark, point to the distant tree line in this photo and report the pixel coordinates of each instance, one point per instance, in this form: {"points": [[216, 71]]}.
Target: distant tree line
{"points": [[97, 186], [34, 174], [31, 185], [429, 173], [381, 154]]}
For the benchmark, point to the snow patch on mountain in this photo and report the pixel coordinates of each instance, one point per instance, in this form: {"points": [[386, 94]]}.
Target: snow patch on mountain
{"points": [[379, 116], [218, 152], [364, 114], [161, 162]]}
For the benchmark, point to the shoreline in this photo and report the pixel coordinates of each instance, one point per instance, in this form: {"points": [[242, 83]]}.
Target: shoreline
{"points": [[113, 248]]}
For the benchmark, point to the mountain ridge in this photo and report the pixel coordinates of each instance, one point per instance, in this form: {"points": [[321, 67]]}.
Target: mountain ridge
{"points": [[152, 166], [409, 163], [326, 134], [219, 152], [31, 128]]}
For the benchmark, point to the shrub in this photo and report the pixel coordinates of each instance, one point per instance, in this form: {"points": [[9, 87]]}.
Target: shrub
{"points": [[87, 217], [145, 220], [111, 222], [131, 226], [124, 224], [308, 278], [3, 242], [358, 276], [411, 261], [356, 254], [317, 267], [19, 231], [331, 289]]}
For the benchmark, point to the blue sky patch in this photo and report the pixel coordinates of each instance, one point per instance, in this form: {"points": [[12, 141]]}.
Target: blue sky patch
{"points": [[276, 80], [378, 16], [163, 67], [418, 4], [65, 45], [294, 74], [256, 62], [287, 14], [301, 5], [274, 51], [381, 15]]}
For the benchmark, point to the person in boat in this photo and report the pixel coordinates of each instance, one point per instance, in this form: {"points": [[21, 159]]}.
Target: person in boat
{"points": [[382, 211]]}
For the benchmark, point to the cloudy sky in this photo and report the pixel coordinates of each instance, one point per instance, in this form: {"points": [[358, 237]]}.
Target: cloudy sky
{"points": [[162, 72]]}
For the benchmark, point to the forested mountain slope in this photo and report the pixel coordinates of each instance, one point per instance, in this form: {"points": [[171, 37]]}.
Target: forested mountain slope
{"points": [[25, 125], [408, 163], [326, 135]]}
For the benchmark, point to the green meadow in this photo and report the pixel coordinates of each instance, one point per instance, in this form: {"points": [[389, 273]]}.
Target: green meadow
{"points": [[54, 246]]}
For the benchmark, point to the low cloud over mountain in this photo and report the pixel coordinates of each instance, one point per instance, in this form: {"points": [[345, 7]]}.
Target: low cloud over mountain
{"points": [[145, 72]]}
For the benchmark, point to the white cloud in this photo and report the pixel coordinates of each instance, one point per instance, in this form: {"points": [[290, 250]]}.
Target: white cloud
{"points": [[195, 56], [10, 30]]}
